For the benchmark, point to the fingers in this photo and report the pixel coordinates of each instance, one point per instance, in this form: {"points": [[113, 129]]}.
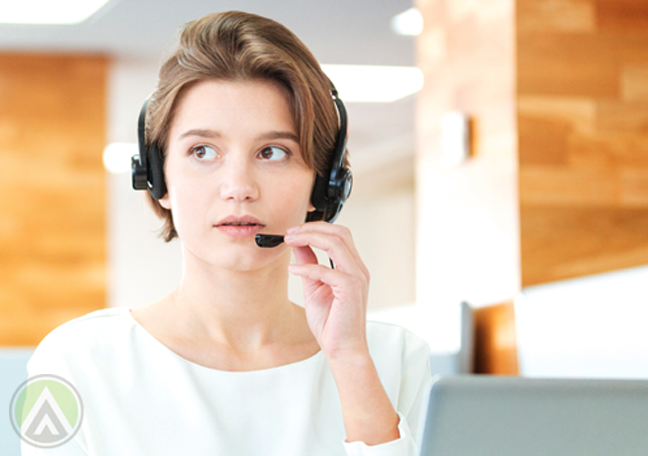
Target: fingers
{"points": [[328, 276], [332, 245], [346, 260], [305, 255], [323, 227], [335, 240]]}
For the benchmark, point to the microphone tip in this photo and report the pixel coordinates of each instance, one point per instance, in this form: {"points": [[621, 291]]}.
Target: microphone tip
{"points": [[268, 240]]}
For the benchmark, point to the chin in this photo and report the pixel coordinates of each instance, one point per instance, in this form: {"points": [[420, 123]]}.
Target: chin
{"points": [[246, 264], [240, 258]]}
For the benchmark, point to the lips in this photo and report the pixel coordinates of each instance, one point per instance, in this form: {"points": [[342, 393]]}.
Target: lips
{"points": [[239, 226]]}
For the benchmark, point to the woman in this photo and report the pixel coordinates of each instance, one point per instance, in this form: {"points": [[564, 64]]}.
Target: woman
{"points": [[244, 121]]}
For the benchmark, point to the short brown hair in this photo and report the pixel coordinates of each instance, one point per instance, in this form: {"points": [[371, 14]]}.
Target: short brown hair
{"points": [[238, 46]]}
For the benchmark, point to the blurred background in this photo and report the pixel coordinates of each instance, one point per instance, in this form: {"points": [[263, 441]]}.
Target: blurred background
{"points": [[500, 161]]}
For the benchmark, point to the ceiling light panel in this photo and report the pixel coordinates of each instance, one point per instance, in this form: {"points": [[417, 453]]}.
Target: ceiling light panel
{"points": [[374, 83], [48, 11]]}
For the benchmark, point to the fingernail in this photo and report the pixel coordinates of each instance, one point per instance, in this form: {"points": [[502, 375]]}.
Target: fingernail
{"points": [[292, 230]]}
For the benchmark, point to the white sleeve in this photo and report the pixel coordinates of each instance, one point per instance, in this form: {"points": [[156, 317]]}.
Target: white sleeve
{"points": [[416, 380], [403, 446]]}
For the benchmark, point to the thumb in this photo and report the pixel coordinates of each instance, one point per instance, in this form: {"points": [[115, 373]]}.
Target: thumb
{"points": [[305, 255]]}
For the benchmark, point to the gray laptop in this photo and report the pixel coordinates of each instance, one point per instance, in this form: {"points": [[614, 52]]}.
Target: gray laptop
{"points": [[511, 416]]}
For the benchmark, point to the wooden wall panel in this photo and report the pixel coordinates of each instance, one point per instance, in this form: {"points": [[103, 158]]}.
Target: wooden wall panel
{"points": [[496, 340], [52, 212], [582, 86], [622, 15]]}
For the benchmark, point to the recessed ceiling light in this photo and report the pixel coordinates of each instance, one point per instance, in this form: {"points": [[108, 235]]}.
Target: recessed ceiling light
{"points": [[374, 83], [48, 11], [409, 22]]}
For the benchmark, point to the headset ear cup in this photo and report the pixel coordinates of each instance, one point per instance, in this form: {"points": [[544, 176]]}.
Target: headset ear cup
{"points": [[157, 185], [339, 194], [318, 196], [314, 216], [138, 174], [139, 162]]}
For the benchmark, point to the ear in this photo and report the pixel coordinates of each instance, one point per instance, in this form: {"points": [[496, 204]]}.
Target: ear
{"points": [[311, 207], [165, 201]]}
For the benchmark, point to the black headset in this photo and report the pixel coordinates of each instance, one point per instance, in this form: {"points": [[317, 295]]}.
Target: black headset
{"points": [[330, 191]]}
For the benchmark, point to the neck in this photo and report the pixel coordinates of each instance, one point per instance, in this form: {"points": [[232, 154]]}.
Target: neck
{"points": [[244, 311]]}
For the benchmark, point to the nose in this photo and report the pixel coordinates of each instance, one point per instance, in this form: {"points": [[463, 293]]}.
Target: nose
{"points": [[238, 182]]}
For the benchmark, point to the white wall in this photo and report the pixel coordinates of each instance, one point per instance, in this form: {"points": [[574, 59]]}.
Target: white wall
{"points": [[468, 234], [590, 327], [141, 267]]}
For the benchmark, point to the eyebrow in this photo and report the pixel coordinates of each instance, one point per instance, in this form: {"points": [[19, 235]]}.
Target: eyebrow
{"points": [[202, 133], [206, 133], [278, 135]]}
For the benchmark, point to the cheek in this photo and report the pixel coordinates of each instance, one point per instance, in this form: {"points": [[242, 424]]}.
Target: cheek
{"points": [[189, 204], [295, 196]]}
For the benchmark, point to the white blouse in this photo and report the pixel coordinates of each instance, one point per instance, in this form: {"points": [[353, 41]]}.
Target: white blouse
{"points": [[141, 398]]}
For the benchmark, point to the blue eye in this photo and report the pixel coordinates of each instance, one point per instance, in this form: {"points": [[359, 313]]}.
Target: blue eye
{"points": [[204, 152], [273, 153]]}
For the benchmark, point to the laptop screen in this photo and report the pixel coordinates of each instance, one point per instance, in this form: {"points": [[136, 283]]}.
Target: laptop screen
{"points": [[484, 415]]}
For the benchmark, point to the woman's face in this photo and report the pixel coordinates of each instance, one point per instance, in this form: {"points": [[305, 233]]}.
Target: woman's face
{"points": [[233, 169]]}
